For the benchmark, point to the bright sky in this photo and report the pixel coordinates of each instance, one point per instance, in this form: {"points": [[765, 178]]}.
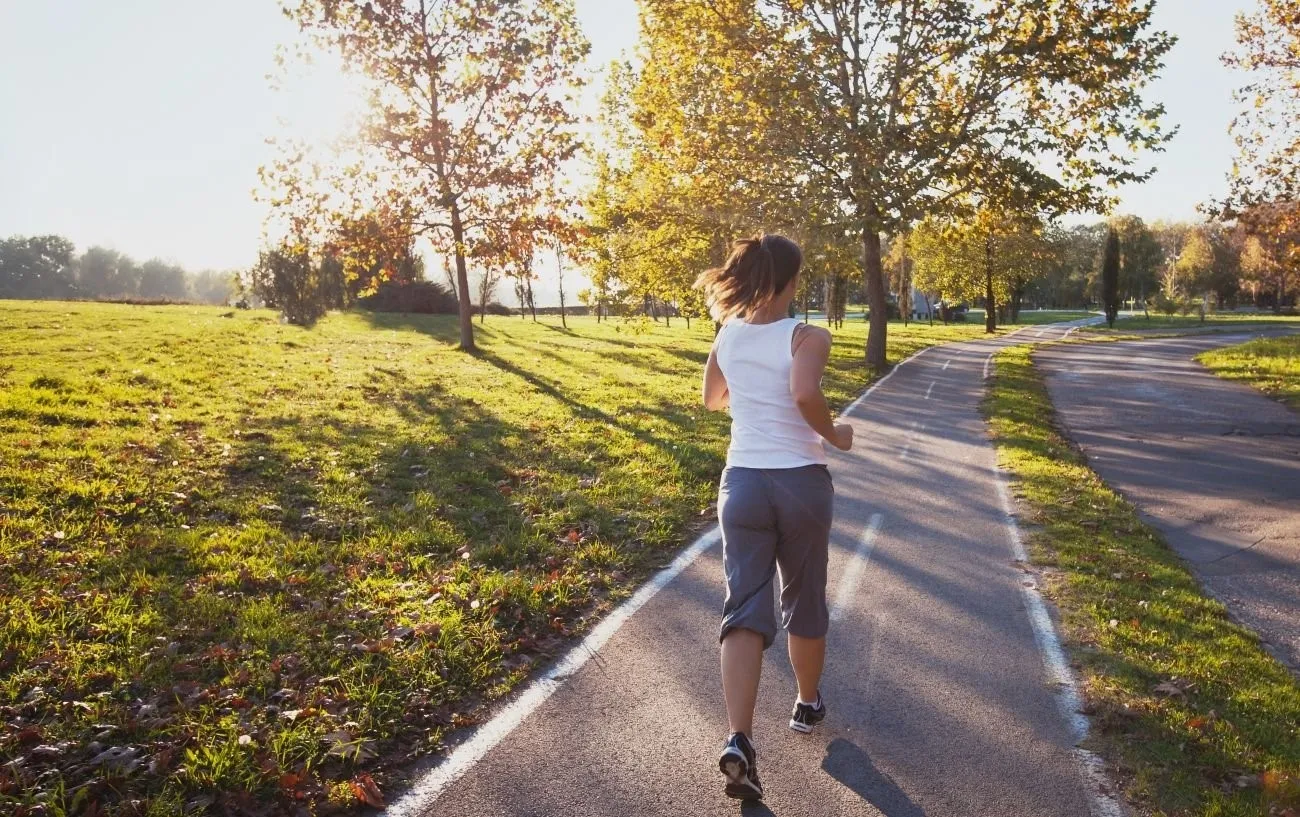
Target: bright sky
{"points": [[139, 124]]}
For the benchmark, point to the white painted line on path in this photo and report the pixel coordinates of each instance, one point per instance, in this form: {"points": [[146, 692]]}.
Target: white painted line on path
{"points": [[462, 758], [1058, 669], [917, 428], [945, 364], [988, 360], [857, 563], [881, 382], [421, 796], [930, 389]]}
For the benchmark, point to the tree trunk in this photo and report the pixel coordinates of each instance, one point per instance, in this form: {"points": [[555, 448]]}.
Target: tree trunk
{"points": [[532, 305], [877, 301], [559, 271], [990, 304], [462, 282]]}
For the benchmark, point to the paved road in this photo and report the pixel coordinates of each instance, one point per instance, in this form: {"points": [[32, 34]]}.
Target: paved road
{"points": [[1214, 465], [941, 704]]}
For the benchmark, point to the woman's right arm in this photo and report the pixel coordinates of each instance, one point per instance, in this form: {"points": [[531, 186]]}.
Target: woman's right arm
{"points": [[812, 350]]}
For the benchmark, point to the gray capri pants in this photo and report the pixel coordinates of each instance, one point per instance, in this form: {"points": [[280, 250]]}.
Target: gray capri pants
{"points": [[775, 518]]}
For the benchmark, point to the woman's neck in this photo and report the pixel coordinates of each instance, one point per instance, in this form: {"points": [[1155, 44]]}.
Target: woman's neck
{"points": [[770, 313]]}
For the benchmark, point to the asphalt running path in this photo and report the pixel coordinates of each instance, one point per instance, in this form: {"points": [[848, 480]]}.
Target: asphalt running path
{"points": [[1214, 465], [941, 700]]}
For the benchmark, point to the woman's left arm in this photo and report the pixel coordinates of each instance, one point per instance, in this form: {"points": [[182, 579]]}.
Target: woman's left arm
{"points": [[715, 384]]}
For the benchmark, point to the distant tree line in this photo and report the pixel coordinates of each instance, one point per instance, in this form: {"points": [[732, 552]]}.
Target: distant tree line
{"points": [[48, 267], [1171, 267]]}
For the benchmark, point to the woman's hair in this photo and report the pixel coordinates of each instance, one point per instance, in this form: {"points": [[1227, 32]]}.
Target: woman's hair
{"points": [[758, 270]]}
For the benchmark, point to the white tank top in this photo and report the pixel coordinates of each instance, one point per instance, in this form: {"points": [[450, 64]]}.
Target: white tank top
{"points": [[767, 430]]}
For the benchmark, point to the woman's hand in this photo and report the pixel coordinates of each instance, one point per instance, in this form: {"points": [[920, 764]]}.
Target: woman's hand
{"points": [[843, 437]]}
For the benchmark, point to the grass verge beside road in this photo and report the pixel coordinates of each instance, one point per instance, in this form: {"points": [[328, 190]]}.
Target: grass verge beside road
{"points": [[249, 567], [1221, 320], [1271, 365], [1191, 713]]}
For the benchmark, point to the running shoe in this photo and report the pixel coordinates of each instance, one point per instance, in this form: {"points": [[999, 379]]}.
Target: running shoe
{"points": [[738, 765], [806, 716]]}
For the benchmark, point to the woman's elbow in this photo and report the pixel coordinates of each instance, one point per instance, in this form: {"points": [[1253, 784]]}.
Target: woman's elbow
{"points": [[808, 398]]}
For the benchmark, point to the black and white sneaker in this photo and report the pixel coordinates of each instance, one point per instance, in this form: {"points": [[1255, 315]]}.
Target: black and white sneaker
{"points": [[739, 765], [806, 716]]}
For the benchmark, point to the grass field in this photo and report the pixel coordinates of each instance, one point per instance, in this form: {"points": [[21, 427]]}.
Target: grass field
{"points": [[1271, 365], [249, 565], [1194, 717]]}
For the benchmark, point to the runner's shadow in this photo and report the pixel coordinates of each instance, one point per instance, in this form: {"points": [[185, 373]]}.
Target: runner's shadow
{"points": [[851, 766], [755, 808]]}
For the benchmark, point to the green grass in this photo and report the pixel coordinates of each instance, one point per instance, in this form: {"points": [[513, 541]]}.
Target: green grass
{"points": [[1034, 317], [1271, 365], [1191, 713], [1221, 320], [252, 562]]}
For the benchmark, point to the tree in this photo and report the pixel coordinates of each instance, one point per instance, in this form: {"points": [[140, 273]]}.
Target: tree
{"points": [[899, 266], [1194, 267], [1110, 277], [1067, 276], [888, 112], [1141, 257], [471, 110], [158, 279], [994, 256], [36, 267], [288, 278], [559, 279], [1267, 130], [213, 287], [487, 287], [1275, 231], [105, 273]]}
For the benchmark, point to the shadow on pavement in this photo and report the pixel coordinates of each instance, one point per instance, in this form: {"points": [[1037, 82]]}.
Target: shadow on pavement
{"points": [[851, 766]]}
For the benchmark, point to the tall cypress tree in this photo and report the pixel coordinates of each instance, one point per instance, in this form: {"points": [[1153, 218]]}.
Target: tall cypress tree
{"points": [[1110, 277]]}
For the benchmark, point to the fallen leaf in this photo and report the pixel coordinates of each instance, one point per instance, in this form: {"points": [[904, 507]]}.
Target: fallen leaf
{"points": [[367, 791], [343, 744], [1169, 689]]}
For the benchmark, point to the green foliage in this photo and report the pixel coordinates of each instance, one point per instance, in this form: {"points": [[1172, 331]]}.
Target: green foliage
{"points": [[989, 252], [1267, 168], [289, 279], [36, 267], [1141, 257], [1200, 717], [46, 267], [845, 108], [1164, 304], [1110, 276]]}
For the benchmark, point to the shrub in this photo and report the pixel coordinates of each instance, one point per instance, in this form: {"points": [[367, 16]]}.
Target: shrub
{"points": [[287, 278], [424, 297]]}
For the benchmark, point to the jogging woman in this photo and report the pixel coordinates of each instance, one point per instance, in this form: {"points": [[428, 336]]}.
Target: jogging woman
{"points": [[775, 498]]}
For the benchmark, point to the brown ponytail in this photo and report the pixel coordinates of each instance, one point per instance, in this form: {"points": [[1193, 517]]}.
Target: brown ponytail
{"points": [[758, 270]]}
